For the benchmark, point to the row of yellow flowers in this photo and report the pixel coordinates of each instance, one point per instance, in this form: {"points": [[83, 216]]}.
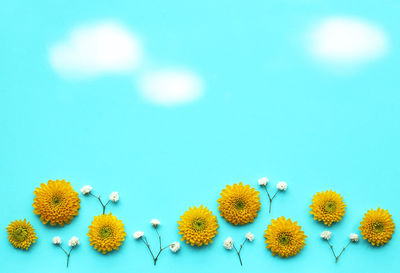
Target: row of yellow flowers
{"points": [[58, 203]]}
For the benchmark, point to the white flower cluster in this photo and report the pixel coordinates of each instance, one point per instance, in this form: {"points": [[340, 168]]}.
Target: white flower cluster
{"points": [[155, 222], [175, 246], [326, 235], [57, 240], [114, 197], [74, 241], [228, 243], [282, 185], [353, 237], [138, 234], [249, 236], [86, 189], [263, 181]]}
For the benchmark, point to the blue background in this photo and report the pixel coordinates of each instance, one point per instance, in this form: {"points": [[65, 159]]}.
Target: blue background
{"points": [[268, 110]]}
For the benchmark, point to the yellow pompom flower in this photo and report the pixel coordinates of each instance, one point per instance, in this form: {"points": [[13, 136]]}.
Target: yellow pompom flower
{"points": [[106, 233], [21, 234], [198, 226], [328, 206], [239, 204], [284, 237], [56, 202], [377, 226]]}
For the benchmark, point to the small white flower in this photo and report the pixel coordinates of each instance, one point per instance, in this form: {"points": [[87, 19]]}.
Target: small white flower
{"points": [[175, 246], [353, 237], [282, 186], [228, 244], [86, 189], [155, 222], [114, 196], [326, 235], [138, 234], [250, 236], [57, 240], [74, 241], [263, 181]]}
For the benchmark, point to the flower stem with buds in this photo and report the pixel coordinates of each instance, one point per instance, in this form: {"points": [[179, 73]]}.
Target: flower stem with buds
{"points": [[155, 258], [101, 202], [66, 253], [337, 257], [270, 198], [238, 251]]}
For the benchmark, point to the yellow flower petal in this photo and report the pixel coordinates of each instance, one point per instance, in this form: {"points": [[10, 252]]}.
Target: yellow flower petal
{"points": [[21, 234], [56, 202], [284, 237], [239, 204], [106, 233], [377, 226], [198, 226], [328, 206]]}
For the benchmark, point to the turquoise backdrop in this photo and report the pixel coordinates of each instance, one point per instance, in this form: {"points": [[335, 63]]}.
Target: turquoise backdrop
{"points": [[268, 109]]}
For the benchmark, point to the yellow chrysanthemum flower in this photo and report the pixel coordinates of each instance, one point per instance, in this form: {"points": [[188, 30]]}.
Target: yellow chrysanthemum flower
{"points": [[377, 226], [198, 226], [328, 206], [284, 237], [56, 202], [21, 234], [106, 233], [239, 204]]}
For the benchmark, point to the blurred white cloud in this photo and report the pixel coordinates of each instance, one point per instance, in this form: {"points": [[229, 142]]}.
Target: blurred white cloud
{"points": [[96, 49], [346, 41], [171, 87]]}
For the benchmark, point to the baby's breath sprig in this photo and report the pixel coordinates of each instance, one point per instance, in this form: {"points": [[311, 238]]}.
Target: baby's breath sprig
{"points": [[229, 244], [114, 196], [73, 242], [281, 186], [139, 235], [326, 235]]}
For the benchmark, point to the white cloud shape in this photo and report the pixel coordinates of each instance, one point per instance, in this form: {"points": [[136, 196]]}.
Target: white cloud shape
{"points": [[96, 49], [342, 40], [171, 87]]}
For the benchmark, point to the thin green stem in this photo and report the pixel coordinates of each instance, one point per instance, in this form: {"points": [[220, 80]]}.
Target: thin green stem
{"points": [[159, 237], [155, 258], [158, 254], [270, 198], [337, 258], [63, 249], [241, 246], [66, 253], [333, 251], [101, 202], [69, 254], [148, 246], [341, 252], [238, 253]]}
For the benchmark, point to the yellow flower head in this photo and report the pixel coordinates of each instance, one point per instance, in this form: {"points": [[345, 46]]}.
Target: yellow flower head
{"points": [[106, 233], [328, 206], [239, 204], [21, 234], [56, 202], [377, 226], [284, 237], [198, 226]]}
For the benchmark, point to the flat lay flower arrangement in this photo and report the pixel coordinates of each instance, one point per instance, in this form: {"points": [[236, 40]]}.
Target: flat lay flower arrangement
{"points": [[57, 203]]}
